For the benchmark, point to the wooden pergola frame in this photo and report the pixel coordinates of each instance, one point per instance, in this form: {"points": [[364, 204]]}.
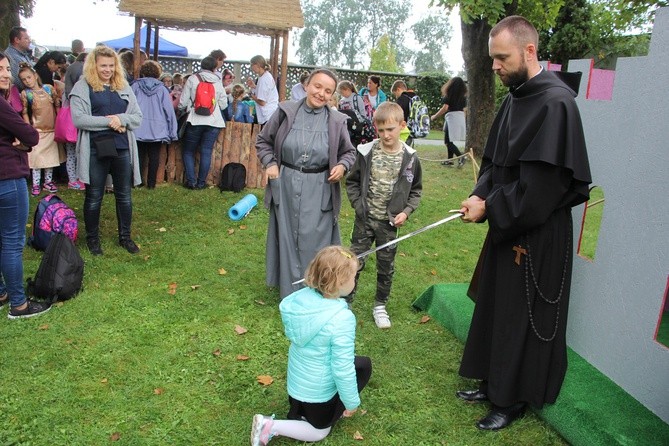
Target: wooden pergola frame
{"points": [[261, 24]]}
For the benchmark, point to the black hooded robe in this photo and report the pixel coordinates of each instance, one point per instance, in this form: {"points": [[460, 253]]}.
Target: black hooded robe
{"points": [[534, 170]]}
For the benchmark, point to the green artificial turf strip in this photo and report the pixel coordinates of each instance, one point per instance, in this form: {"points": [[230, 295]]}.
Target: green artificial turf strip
{"points": [[591, 409], [663, 331]]}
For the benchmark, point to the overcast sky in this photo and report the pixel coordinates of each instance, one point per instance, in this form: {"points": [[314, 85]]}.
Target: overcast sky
{"points": [[57, 23]]}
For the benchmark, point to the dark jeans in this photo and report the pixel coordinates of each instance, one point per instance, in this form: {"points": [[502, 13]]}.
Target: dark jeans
{"points": [[121, 172], [452, 148], [380, 232], [152, 149], [204, 137], [13, 219]]}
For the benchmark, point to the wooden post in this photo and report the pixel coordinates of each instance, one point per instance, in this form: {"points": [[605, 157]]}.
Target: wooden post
{"points": [[155, 46], [135, 47], [284, 68], [275, 58], [147, 43]]}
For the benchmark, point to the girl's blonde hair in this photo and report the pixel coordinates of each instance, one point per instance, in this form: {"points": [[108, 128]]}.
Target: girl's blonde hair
{"points": [[117, 82], [261, 62], [25, 66], [330, 269]]}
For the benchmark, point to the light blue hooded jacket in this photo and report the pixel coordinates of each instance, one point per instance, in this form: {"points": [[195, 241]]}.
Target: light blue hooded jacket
{"points": [[322, 348]]}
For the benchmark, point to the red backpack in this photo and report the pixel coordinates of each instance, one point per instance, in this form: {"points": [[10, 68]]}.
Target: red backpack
{"points": [[205, 97]]}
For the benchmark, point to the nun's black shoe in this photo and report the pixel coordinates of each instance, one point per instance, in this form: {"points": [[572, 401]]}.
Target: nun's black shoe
{"points": [[501, 417], [473, 396]]}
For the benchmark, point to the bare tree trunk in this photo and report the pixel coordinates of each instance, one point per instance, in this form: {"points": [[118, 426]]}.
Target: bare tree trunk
{"points": [[480, 83]]}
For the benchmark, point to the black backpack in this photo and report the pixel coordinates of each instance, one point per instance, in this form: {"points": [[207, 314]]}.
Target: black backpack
{"points": [[233, 177], [60, 275]]}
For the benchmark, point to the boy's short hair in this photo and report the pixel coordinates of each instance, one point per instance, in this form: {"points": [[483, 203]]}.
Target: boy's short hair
{"points": [[348, 85], [388, 112], [330, 269], [398, 84]]}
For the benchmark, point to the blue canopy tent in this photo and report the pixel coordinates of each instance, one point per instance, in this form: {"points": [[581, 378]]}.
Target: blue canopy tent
{"points": [[165, 47]]}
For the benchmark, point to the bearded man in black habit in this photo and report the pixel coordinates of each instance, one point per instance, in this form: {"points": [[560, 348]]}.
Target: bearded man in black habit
{"points": [[534, 170]]}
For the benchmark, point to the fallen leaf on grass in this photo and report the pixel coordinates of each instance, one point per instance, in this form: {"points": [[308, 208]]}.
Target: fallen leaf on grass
{"points": [[43, 327], [216, 352], [242, 227], [222, 271], [172, 288], [434, 272], [242, 358], [260, 302], [146, 258], [425, 319], [104, 380], [158, 391], [240, 330], [401, 254], [265, 380], [426, 253], [358, 436], [363, 411], [231, 231], [161, 230], [195, 287], [116, 436]]}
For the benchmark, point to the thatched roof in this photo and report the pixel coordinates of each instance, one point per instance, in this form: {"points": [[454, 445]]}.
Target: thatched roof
{"points": [[264, 17]]}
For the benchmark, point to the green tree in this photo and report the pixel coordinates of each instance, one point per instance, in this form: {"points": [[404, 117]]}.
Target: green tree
{"points": [[383, 57], [341, 32], [433, 34], [620, 29], [477, 18], [571, 37], [11, 12]]}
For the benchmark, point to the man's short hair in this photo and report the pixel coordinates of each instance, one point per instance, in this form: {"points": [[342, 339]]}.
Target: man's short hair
{"points": [[388, 112], [398, 84], [520, 28], [15, 33]]}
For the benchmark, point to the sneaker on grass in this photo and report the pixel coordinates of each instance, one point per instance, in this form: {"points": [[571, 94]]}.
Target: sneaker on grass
{"points": [[32, 309], [261, 430], [51, 187], [381, 318]]}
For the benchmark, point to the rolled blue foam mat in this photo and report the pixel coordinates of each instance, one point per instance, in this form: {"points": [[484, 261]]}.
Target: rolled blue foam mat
{"points": [[242, 207]]}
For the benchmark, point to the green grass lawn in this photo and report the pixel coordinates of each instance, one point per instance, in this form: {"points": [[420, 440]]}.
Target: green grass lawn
{"points": [[126, 360]]}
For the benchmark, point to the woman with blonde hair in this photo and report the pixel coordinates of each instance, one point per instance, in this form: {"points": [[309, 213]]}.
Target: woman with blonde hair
{"points": [[105, 110], [263, 92]]}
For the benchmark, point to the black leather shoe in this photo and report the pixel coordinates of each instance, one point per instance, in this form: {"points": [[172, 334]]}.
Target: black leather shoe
{"points": [[129, 245], [499, 418], [94, 246], [473, 396]]}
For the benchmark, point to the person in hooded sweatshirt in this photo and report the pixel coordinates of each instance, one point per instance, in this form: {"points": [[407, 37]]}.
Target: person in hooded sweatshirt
{"points": [[159, 124], [201, 130], [325, 376]]}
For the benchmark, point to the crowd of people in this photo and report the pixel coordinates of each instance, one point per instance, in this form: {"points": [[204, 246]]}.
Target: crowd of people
{"points": [[529, 181]]}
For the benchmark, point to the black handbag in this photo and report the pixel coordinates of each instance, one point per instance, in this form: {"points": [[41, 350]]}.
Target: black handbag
{"points": [[105, 146]]}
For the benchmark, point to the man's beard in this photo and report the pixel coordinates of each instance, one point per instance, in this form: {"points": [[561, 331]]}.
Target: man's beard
{"points": [[516, 78]]}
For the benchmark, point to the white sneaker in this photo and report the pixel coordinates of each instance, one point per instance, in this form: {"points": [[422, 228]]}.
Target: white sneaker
{"points": [[381, 317], [261, 430]]}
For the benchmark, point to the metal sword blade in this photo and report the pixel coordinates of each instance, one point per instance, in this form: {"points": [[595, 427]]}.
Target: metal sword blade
{"points": [[404, 237]]}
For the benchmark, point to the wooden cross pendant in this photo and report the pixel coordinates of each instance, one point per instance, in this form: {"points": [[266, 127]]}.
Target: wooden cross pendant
{"points": [[519, 251]]}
